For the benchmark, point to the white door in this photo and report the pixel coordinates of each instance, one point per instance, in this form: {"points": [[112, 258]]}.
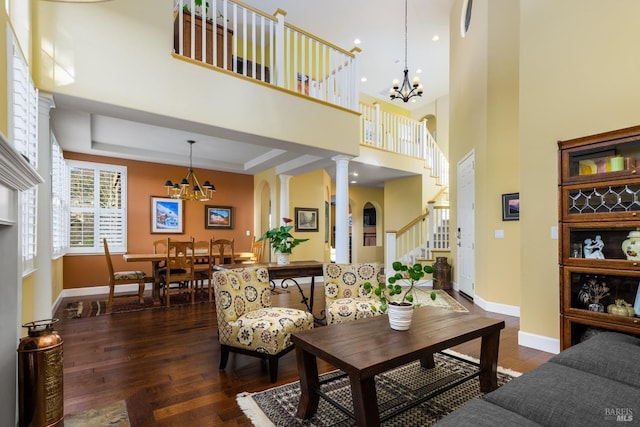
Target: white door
{"points": [[466, 225]]}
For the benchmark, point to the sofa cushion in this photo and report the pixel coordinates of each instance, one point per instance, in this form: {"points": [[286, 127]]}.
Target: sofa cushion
{"points": [[481, 413], [609, 354], [558, 395]]}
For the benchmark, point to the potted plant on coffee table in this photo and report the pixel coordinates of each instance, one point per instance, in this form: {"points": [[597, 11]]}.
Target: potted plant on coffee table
{"points": [[282, 241], [400, 309]]}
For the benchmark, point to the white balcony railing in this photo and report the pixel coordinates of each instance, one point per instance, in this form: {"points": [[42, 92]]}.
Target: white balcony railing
{"points": [[403, 135], [250, 42]]}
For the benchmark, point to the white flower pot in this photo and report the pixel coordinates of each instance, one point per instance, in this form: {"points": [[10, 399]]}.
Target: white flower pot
{"points": [[282, 259], [400, 316]]}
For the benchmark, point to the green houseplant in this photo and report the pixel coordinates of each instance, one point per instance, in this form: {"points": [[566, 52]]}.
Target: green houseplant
{"points": [[400, 312], [281, 239]]}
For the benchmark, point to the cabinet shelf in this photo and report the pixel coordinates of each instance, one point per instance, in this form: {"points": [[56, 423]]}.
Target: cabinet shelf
{"points": [[599, 191]]}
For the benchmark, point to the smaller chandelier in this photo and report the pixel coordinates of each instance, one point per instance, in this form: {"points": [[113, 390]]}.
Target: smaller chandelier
{"points": [[189, 188], [407, 90]]}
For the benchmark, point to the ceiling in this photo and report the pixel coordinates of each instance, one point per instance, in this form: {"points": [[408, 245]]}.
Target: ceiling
{"points": [[87, 127]]}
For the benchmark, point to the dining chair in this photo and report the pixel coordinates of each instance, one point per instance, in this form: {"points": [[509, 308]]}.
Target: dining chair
{"points": [[257, 249], [225, 250], [180, 270], [202, 253], [123, 278], [248, 323]]}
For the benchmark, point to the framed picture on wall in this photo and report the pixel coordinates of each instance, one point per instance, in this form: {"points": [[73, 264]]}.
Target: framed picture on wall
{"points": [[511, 207], [167, 215], [306, 219], [220, 217]]}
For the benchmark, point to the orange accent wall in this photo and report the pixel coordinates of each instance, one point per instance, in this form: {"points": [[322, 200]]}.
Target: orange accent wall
{"points": [[145, 179]]}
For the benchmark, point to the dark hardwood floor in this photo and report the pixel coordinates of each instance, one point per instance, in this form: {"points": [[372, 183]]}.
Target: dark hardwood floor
{"points": [[164, 363]]}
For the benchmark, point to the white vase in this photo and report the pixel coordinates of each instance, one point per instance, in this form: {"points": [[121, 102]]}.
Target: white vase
{"points": [[400, 316], [631, 246], [282, 258]]}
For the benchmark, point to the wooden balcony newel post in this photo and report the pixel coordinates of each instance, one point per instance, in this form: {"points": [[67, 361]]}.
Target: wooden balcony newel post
{"points": [[432, 227], [377, 125], [390, 251], [280, 52], [424, 138], [353, 80]]}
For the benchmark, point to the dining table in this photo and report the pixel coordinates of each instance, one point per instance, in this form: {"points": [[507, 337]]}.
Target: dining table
{"points": [[156, 260]]}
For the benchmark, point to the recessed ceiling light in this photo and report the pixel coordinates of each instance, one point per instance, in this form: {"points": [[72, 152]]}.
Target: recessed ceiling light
{"points": [[435, 38], [353, 182], [364, 79], [356, 41], [419, 70], [355, 174], [413, 100]]}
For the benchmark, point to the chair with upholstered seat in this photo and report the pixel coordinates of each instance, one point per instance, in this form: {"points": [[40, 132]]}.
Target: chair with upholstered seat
{"points": [[123, 278], [179, 275], [248, 323], [345, 298]]}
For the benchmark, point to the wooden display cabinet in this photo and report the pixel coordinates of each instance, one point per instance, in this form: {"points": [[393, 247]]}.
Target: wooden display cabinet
{"points": [[599, 192], [186, 41]]}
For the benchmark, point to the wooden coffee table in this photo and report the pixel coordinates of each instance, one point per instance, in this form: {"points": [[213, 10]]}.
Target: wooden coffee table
{"points": [[367, 347]]}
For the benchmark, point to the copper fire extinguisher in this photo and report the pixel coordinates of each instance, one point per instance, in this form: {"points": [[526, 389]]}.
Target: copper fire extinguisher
{"points": [[40, 376]]}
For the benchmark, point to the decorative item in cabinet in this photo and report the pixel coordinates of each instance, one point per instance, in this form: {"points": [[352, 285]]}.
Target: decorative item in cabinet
{"points": [[609, 155], [186, 40], [598, 287], [601, 242]]}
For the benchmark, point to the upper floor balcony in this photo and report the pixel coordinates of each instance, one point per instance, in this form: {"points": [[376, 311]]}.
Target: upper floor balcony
{"points": [[269, 89]]}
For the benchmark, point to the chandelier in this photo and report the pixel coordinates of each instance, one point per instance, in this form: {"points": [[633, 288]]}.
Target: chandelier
{"points": [[407, 90], [189, 188]]}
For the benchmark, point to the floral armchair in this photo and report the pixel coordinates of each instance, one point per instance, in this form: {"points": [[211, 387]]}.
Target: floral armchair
{"points": [[247, 322], [345, 298]]}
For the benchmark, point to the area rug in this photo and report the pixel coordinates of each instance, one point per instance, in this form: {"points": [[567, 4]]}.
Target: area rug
{"points": [[277, 406], [443, 300], [78, 309], [112, 415]]}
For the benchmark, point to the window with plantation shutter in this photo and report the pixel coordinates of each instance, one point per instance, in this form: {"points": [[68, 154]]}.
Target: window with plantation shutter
{"points": [[24, 132], [59, 201], [97, 207]]}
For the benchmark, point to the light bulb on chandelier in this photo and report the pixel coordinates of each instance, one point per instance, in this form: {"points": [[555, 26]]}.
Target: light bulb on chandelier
{"points": [[189, 188], [407, 90]]}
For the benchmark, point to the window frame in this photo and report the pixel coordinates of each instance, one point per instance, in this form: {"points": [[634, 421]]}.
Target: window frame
{"points": [[97, 247]]}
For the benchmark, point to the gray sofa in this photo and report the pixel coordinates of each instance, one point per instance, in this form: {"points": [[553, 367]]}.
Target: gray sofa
{"points": [[594, 383]]}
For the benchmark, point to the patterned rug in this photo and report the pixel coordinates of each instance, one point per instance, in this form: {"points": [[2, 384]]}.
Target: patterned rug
{"points": [[78, 309], [443, 300], [277, 406], [113, 415]]}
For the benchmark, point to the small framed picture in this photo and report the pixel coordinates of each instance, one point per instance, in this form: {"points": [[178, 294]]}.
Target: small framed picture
{"points": [[511, 207], [306, 219], [218, 217], [167, 215]]}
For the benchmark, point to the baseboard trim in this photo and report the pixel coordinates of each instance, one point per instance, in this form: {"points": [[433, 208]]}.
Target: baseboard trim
{"points": [[494, 307], [539, 342]]}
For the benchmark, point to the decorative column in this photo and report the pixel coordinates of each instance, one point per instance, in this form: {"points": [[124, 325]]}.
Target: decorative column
{"points": [[284, 198], [42, 292], [342, 208]]}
